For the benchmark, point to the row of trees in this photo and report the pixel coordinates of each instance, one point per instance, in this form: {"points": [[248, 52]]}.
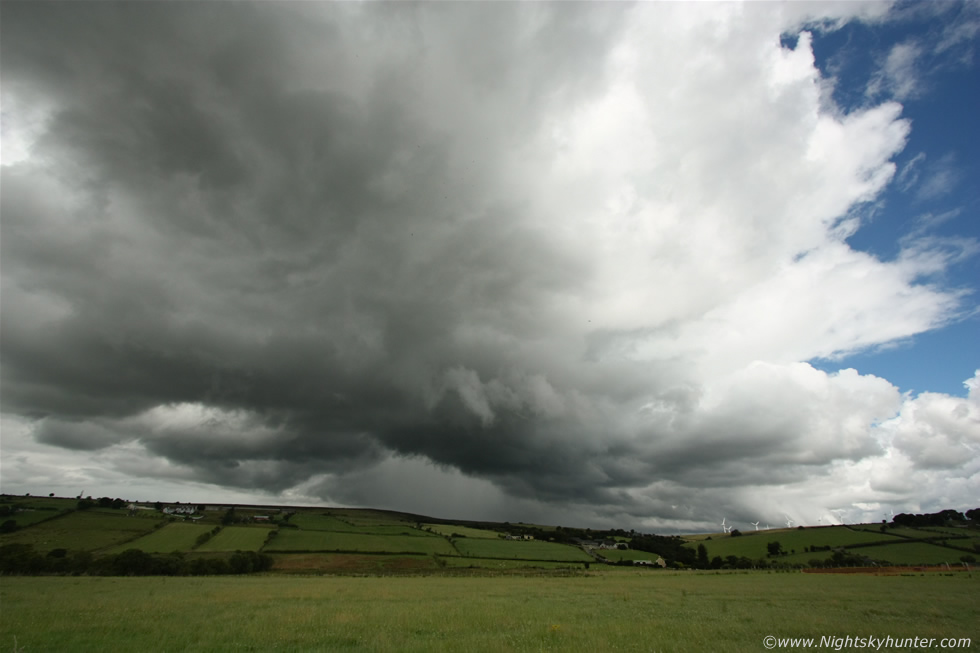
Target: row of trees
{"points": [[941, 518], [22, 559]]}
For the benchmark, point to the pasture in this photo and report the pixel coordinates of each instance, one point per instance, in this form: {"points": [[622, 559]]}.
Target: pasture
{"points": [[87, 530], [449, 530], [237, 538], [615, 555], [629, 610], [520, 550], [290, 539], [753, 544], [177, 536], [314, 521], [912, 553]]}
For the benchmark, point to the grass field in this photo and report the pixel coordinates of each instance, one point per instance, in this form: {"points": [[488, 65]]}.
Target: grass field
{"points": [[177, 536], [629, 611], [299, 540], [89, 531], [315, 521], [754, 545], [496, 563], [616, 555], [311, 521], [237, 538], [465, 531], [904, 532], [353, 563], [520, 550], [913, 553], [367, 517], [31, 516], [40, 503]]}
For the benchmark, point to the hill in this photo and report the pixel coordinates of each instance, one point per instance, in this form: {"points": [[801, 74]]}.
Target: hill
{"points": [[111, 536]]}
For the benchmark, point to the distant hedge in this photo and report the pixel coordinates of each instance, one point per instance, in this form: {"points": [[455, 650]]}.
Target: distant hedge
{"points": [[23, 560]]}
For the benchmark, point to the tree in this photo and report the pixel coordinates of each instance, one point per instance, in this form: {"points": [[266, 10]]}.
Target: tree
{"points": [[774, 548], [703, 557], [132, 562], [230, 517]]}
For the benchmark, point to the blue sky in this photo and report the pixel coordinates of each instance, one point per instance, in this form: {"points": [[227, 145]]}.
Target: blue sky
{"points": [[935, 192]]}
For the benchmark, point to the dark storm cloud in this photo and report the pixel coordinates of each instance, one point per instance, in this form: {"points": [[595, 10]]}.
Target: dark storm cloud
{"points": [[234, 237]]}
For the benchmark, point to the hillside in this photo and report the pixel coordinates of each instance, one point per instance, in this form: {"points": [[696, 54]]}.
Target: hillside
{"points": [[109, 536]]}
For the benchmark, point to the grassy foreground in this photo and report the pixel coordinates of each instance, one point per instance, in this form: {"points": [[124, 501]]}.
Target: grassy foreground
{"points": [[606, 611]]}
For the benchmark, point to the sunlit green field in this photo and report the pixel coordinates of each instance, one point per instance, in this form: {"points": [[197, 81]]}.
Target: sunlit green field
{"points": [[628, 611]]}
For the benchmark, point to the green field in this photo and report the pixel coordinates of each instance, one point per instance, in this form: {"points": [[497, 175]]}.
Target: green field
{"points": [[629, 611], [177, 536], [290, 539], [88, 531], [905, 532], [457, 562], [311, 521], [913, 553], [314, 521], [753, 545], [617, 554], [237, 538], [31, 516], [449, 529], [367, 517], [520, 550]]}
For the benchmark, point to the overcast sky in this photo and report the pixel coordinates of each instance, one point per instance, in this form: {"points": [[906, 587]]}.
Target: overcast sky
{"points": [[647, 266]]}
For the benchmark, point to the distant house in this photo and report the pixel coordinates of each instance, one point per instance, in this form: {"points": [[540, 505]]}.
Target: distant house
{"points": [[588, 544], [261, 517], [180, 510]]}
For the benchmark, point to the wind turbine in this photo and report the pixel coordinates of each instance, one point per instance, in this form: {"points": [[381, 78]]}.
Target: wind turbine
{"points": [[756, 524], [789, 522], [723, 527]]}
